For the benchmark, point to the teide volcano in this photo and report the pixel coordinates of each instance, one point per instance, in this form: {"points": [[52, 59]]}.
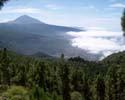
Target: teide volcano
{"points": [[26, 20], [28, 35]]}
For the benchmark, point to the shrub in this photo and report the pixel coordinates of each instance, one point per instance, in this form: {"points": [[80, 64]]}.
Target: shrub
{"points": [[16, 93], [76, 96]]}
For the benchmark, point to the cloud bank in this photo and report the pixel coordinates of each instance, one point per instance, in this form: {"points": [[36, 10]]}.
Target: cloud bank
{"points": [[97, 41]]}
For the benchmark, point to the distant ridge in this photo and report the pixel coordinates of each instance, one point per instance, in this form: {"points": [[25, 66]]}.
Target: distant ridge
{"points": [[41, 55]]}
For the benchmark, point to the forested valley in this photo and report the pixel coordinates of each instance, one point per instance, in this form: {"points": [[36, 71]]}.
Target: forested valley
{"points": [[29, 78]]}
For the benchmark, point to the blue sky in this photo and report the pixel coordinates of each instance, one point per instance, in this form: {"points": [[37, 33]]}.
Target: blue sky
{"points": [[104, 14]]}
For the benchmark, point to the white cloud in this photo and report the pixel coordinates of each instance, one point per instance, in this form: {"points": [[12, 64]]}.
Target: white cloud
{"points": [[52, 7], [90, 7], [27, 10], [97, 40], [117, 5], [101, 19]]}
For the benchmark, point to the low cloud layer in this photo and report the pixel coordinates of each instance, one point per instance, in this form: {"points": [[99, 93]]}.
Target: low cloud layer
{"points": [[97, 41]]}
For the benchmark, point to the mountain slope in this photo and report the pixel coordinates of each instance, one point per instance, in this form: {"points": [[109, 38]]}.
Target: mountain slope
{"points": [[28, 36], [115, 58]]}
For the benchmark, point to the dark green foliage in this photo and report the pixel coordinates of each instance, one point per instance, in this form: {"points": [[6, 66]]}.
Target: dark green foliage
{"points": [[40, 74], [77, 80], [62, 79], [5, 68], [38, 93], [86, 88], [100, 88], [65, 82]]}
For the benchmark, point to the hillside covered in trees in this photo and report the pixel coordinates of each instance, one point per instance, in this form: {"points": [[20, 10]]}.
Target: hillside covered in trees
{"points": [[29, 78]]}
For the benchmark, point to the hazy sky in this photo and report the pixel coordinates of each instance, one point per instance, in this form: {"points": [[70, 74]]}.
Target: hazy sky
{"points": [[104, 14]]}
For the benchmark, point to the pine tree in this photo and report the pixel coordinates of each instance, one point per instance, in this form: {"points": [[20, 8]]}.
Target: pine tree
{"points": [[38, 93], [100, 88], [22, 75], [41, 74], [54, 96], [123, 22], [121, 83], [112, 83], [109, 93], [86, 88], [65, 82], [5, 74], [77, 80]]}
